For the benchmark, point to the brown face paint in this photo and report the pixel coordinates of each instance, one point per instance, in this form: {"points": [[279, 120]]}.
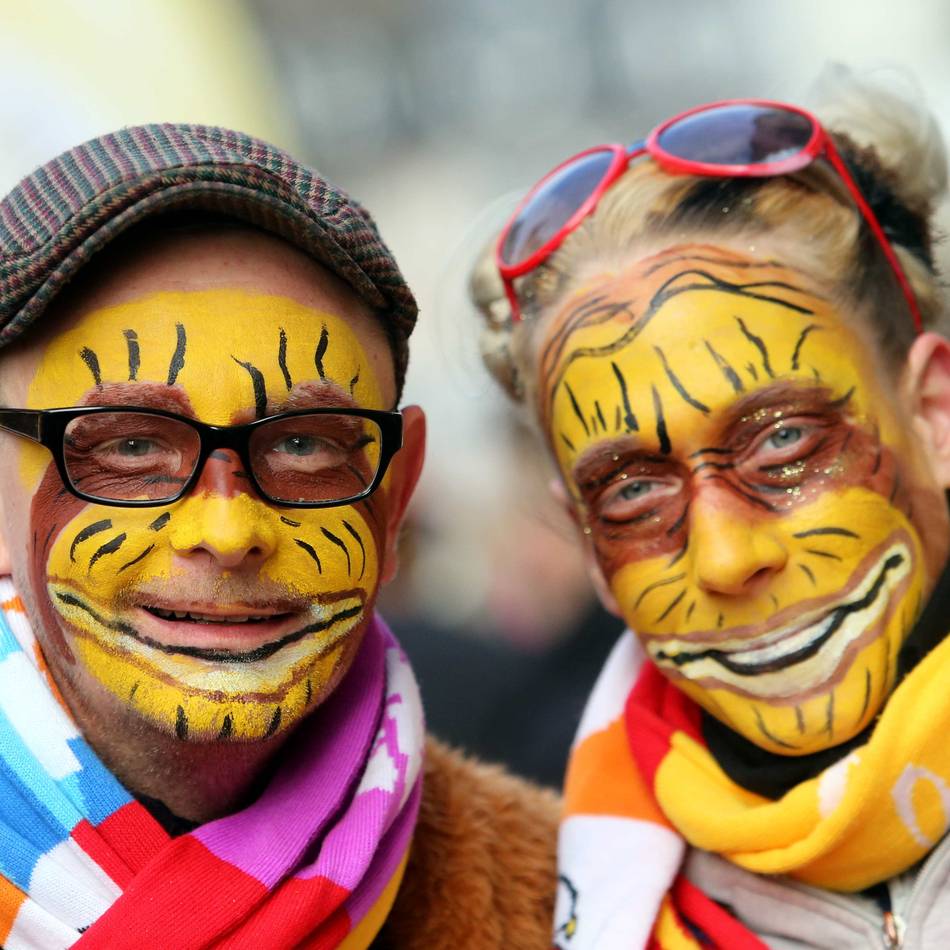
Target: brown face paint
{"points": [[731, 446]]}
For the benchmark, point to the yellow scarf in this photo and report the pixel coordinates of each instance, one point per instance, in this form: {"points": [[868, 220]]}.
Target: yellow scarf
{"points": [[641, 782]]}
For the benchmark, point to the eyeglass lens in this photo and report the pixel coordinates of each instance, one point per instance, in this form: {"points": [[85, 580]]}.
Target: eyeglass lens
{"points": [[737, 135], [553, 204], [129, 456]]}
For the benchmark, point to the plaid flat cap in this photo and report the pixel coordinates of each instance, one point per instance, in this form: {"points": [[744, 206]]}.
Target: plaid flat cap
{"points": [[59, 217]]}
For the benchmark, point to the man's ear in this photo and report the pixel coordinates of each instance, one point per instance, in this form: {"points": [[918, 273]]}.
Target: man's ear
{"points": [[926, 387], [6, 564], [596, 575], [404, 471]]}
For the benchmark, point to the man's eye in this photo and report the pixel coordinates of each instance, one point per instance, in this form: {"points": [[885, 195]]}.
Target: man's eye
{"points": [[296, 445], [135, 448]]}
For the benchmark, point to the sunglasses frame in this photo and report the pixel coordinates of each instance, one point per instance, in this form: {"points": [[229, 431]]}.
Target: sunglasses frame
{"points": [[819, 145]]}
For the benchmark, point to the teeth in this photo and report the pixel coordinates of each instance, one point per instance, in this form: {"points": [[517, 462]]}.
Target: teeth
{"points": [[207, 618]]}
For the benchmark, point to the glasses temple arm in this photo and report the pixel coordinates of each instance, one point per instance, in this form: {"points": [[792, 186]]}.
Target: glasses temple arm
{"points": [[28, 422]]}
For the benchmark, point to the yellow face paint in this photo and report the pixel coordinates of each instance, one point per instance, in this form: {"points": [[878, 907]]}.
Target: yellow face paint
{"points": [[747, 487], [116, 576]]}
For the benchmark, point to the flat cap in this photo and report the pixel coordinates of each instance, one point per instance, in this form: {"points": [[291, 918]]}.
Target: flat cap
{"points": [[69, 209]]}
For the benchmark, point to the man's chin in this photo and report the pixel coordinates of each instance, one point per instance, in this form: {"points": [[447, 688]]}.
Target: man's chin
{"points": [[215, 681]]}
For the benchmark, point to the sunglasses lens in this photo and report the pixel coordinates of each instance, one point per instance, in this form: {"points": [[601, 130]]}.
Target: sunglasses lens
{"points": [[553, 204], [738, 135]]}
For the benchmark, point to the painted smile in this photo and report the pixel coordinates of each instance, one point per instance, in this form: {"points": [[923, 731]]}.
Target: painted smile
{"points": [[797, 657]]}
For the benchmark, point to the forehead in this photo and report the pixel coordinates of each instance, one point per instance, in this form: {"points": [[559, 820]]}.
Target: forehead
{"points": [[658, 353], [236, 295]]}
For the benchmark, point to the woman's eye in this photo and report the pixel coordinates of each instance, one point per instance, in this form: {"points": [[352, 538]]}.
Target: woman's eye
{"points": [[784, 437], [636, 489]]}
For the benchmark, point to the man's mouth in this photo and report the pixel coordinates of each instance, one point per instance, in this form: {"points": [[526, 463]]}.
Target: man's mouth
{"points": [[193, 616], [226, 634], [799, 656]]}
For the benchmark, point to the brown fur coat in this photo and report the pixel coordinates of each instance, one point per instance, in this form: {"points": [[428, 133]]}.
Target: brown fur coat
{"points": [[481, 872]]}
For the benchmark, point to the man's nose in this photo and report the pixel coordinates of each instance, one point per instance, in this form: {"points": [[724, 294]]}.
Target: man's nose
{"points": [[733, 551], [222, 518]]}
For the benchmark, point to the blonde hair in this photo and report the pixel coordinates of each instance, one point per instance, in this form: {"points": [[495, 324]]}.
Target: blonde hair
{"points": [[897, 157]]}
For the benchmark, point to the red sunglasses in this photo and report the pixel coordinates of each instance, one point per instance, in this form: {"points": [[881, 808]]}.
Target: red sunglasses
{"points": [[741, 138]]}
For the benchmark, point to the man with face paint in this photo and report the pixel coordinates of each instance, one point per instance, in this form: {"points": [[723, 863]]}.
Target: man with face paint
{"points": [[207, 735], [726, 358]]}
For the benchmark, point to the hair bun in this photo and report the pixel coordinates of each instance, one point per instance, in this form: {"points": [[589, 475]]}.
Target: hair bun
{"points": [[885, 110]]}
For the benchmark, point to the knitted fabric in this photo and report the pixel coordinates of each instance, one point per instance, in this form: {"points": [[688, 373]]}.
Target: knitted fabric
{"points": [[642, 785], [315, 861], [68, 210]]}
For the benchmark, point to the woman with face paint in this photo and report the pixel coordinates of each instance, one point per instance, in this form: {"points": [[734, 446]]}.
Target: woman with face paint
{"points": [[721, 332]]}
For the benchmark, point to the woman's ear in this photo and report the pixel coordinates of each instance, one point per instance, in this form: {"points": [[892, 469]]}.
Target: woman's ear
{"points": [[594, 572], [925, 384]]}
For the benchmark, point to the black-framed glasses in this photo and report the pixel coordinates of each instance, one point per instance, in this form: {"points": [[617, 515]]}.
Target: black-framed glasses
{"points": [[136, 457]]}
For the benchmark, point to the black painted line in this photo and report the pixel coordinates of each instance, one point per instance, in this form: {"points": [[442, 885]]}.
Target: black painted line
{"points": [[567, 441], [181, 724], [690, 609], [354, 381], [867, 693], [85, 533], [673, 528], [286, 520], [282, 359], [309, 698], [92, 361], [359, 541], [600, 415], [135, 560], [330, 536], [227, 727], [819, 553], [807, 571], [841, 532], [797, 352], [274, 724], [661, 433], [678, 556], [630, 420], [760, 723], [725, 367], [800, 720], [132, 343], [260, 387], [161, 521], [576, 407], [110, 547], [177, 362], [671, 605], [759, 344], [657, 584], [678, 384], [321, 351], [309, 549], [830, 715]]}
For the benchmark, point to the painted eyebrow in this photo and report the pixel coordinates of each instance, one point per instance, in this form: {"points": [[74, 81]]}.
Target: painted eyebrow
{"points": [[139, 394], [314, 394], [588, 471], [792, 397]]}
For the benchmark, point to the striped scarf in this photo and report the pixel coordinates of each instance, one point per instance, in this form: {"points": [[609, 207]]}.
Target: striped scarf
{"points": [[642, 786], [315, 861]]}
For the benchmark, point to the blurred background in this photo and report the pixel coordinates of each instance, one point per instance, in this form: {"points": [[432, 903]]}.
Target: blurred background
{"points": [[435, 113]]}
